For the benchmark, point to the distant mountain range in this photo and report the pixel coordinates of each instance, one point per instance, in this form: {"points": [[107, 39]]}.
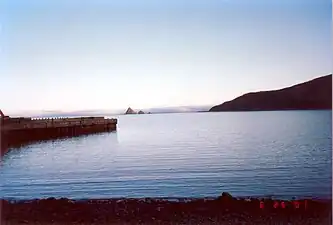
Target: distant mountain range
{"points": [[311, 95]]}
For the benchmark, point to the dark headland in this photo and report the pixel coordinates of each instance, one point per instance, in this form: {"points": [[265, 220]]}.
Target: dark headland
{"points": [[315, 94]]}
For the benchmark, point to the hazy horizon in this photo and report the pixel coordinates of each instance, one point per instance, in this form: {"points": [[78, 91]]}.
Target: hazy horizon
{"points": [[110, 55], [113, 112], [105, 112]]}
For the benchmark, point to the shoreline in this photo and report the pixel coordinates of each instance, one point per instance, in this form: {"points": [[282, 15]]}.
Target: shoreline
{"points": [[222, 210], [167, 199]]}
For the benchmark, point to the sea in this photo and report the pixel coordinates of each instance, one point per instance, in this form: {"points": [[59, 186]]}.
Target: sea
{"points": [[277, 154]]}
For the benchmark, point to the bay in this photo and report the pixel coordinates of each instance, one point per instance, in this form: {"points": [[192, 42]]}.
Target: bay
{"points": [[283, 154]]}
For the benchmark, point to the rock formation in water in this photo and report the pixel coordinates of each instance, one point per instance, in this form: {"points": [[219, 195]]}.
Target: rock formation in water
{"points": [[130, 111], [141, 112], [311, 95]]}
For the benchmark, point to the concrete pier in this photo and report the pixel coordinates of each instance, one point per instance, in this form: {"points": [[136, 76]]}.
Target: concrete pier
{"points": [[23, 130]]}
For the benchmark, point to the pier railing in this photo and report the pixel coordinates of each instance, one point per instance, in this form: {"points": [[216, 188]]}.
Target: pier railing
{"points": [[29, 123]]}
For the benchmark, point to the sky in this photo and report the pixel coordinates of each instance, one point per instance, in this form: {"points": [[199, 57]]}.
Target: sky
{"points": [[73, 55]]}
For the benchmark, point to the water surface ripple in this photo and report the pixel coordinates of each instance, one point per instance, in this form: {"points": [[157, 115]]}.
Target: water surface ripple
{"points": [[283, 154]]}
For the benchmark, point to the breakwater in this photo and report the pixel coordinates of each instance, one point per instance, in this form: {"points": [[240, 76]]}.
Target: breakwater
{"points": [[23, 130]]}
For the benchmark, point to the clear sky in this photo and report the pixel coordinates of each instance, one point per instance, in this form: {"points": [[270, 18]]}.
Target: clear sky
{"points": [[85, 55]]}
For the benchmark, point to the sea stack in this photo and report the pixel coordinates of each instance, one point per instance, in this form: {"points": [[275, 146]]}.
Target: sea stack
{"points": [[130, 111], [141, 112]]}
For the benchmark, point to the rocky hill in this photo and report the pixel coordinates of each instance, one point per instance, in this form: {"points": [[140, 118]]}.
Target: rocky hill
{"points": [[311, 95]]}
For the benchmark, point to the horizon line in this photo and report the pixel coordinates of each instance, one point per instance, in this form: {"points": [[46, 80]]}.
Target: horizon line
{"points": [[118, 111]]}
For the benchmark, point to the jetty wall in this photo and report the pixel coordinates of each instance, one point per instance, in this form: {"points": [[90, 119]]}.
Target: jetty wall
{"points": [[23, 130]]}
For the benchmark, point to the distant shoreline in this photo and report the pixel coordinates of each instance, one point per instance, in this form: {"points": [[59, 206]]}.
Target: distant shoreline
{"points": [[191, 112], [276, 110], [315, 94]]}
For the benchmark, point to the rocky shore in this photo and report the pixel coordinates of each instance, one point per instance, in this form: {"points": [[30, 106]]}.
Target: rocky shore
{"points": [[223, 210]]}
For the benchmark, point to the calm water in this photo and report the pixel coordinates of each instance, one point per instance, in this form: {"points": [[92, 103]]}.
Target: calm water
{"points": [[282, 154]]}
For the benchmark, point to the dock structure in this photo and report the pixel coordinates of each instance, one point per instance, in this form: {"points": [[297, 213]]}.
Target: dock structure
{"points": [[23, 130]]}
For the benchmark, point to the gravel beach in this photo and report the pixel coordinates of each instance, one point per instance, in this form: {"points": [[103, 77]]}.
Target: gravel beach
{"points": [[223, 210]]}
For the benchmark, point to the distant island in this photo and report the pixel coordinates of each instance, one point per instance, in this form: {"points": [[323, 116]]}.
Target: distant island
{"points": [[311, 95], [131, 111]]}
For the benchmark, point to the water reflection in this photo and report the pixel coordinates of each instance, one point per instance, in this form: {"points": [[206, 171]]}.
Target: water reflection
{"points": [[12, 152]]}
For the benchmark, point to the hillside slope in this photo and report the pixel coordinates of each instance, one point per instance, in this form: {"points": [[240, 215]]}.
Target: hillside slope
{"points": [[310, 95]]}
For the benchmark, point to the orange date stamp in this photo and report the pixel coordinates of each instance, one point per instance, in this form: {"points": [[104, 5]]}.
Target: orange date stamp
{"points": [[283, 205]]}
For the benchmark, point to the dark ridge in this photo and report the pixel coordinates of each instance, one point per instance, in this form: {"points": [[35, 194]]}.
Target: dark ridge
{"points": [[315, 94]]}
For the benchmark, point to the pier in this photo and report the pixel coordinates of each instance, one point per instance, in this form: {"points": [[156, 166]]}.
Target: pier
{"points": [[16, 131]]}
